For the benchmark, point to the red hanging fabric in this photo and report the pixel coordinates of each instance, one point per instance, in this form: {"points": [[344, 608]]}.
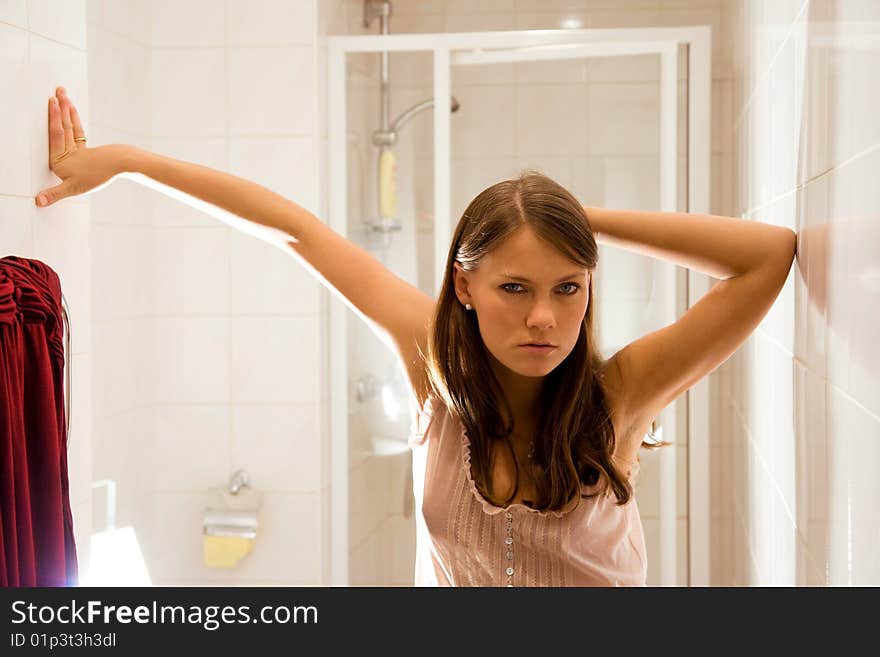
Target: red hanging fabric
{"points": [[37, 546]]}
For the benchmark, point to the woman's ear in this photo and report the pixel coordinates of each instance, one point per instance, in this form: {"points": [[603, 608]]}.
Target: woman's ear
{"points": [[460, 283]]}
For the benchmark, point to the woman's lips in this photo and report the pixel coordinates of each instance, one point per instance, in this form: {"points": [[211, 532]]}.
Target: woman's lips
{"points": [[534, 349]]}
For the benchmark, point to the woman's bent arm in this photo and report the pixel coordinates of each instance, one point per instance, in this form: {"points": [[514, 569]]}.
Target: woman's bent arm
{"points": [[722, 247]]}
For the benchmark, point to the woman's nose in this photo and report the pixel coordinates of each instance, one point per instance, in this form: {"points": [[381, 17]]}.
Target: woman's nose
{"points": [[541, 315]]}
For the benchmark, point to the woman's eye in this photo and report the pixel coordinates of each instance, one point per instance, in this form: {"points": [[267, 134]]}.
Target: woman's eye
{"points": [[575, 287]]}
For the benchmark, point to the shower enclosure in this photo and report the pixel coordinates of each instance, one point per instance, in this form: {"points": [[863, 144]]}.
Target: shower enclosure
{"points": [[370, 514]]}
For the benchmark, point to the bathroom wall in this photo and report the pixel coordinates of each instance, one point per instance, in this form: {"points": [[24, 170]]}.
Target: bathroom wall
{"points": [[208, 341], [43, 45], [796, 459], [381, 533], [118, 93], [518, 115]]}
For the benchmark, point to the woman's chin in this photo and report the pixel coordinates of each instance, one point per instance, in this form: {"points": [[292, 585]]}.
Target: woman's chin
{"points": [[529, 364], [534, 369]]}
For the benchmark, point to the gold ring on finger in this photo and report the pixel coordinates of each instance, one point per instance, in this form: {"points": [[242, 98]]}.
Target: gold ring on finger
{"points": [[64, 154]]}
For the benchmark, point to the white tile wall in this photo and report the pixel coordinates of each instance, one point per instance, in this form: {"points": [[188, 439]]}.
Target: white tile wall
{"points": [[191, 448], [192, 356], [122, 84], [117, 378], [62, 22], [14, 12], [131, 19], [189, 315], [265, 90], [274, 359], [278, 444], [17, 226], [804, 138], [191, 270], [15, 74], [270, 23], [191, 24], [189, 92]]}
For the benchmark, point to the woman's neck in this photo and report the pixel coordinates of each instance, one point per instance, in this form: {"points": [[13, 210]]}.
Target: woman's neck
{"points": [[523, 395]]}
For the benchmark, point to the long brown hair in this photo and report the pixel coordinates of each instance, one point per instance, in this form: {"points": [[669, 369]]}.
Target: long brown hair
{"points": [[575, 436]]}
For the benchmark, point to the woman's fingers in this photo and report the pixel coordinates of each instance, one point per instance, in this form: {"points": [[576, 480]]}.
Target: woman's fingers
{"points": [[56, 131], [66, 121], [77, 127], [78, 131]]}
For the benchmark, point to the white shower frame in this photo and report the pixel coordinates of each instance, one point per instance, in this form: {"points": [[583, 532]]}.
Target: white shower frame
{"points": [[544, 44]]}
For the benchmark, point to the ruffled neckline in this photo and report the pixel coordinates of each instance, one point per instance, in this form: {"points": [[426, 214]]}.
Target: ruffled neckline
{"points": [[490, 508]]}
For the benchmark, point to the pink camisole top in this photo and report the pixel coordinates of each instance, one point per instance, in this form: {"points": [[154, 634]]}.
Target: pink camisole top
{"points": [[464, 540]]}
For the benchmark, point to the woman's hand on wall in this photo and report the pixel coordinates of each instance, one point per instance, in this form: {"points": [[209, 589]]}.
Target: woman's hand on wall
{"points": [[80, 168]]}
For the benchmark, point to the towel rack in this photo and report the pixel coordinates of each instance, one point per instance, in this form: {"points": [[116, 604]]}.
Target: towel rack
{"points": [[67, 363]]}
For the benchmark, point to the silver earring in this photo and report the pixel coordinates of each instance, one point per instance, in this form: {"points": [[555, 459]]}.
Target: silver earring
{"points": [[468, 306]]}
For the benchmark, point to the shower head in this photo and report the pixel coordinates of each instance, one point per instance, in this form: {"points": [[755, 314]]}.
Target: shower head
{"points": [[399, 122], [387, 138]]}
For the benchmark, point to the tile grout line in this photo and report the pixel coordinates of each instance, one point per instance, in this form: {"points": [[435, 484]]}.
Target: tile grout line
{"points": [[230, 417]]}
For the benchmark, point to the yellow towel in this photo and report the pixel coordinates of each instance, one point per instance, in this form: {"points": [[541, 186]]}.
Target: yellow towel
{"points": [[225, 551]]}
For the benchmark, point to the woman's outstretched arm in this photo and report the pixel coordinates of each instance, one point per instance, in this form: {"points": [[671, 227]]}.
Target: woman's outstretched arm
{"points": [[241, 203], [753, 261], [396, 311]]}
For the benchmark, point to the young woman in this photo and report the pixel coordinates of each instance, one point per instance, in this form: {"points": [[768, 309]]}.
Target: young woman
{"points": [[524, 456]]}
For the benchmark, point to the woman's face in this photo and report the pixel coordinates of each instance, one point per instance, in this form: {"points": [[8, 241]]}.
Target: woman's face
{"points": [[549, 306]]}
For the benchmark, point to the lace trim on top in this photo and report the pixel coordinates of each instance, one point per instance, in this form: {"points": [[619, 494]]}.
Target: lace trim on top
{"points": [[491, 509]]}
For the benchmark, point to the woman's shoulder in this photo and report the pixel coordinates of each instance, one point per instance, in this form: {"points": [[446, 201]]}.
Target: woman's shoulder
{"points": [[422, 412]]}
